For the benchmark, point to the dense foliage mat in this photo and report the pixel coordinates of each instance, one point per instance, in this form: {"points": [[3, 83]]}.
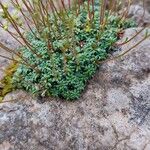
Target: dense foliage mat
{"points": [[65, 71]]}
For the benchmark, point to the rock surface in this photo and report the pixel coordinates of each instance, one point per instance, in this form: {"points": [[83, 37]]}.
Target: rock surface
{"points": [[140, 2], [139, 14], [112, 114], [6, 39]]}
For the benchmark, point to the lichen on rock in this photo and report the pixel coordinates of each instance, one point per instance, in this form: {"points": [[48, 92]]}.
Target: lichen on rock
{"points": [[7, 83]]}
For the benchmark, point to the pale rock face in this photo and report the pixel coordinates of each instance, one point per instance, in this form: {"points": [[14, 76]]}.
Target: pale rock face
{"points": [[139, 14], [140, 2]]}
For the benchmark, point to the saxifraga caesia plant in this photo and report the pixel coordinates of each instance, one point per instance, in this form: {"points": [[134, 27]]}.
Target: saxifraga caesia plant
{"points": [[61, 45]]}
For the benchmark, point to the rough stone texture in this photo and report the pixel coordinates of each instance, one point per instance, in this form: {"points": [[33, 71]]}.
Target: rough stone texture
{"points": [[6, 39], [112, 114], [140, 2], [139, 14]]}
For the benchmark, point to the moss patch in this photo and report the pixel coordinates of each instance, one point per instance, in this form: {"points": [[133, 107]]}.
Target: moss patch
{"points": [[7, 84]]}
